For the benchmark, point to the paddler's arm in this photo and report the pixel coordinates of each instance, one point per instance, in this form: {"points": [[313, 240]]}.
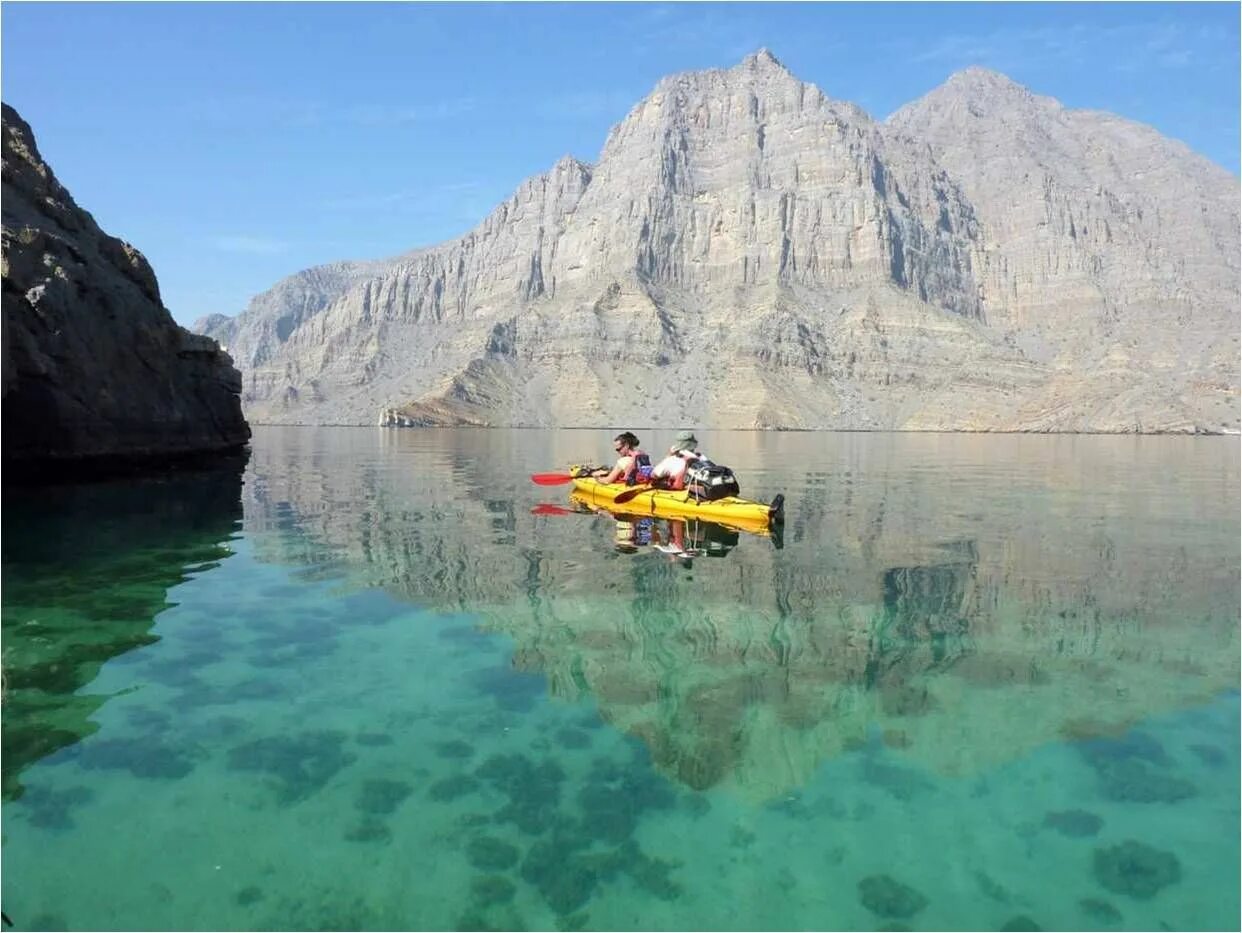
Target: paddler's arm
{"points": [[617, 473]]}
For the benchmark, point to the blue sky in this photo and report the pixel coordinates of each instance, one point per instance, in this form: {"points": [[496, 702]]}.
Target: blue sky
{"points": [[235, 144]]}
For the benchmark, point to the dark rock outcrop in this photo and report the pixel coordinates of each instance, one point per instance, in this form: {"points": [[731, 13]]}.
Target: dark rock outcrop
{"points": [[97, 376]]}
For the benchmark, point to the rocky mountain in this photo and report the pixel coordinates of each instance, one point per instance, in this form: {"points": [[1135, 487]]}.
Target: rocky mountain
{"points": [[96, 372], [748, 252]]}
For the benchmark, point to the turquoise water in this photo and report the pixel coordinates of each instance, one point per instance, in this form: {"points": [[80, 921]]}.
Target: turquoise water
{"points": [[983, 683]]}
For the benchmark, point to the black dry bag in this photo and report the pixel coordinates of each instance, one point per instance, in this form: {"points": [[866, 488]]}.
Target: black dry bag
{"points": [[707, 481]]}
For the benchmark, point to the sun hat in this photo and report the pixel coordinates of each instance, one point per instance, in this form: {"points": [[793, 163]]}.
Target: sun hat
{"points": [[686, 439]]}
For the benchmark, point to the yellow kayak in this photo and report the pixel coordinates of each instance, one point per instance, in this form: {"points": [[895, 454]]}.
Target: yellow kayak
{"points": [[742, 514]]}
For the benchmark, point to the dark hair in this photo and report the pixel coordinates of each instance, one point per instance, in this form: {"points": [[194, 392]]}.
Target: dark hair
{"points": [[628, 438]]}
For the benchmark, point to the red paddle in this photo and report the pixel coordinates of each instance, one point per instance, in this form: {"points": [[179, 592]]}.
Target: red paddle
{"points": [[630, 494], [551, 479], [547, 508]]}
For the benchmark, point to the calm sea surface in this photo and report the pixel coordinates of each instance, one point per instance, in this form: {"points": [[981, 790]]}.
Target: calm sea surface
{"points": [[979, 683]]}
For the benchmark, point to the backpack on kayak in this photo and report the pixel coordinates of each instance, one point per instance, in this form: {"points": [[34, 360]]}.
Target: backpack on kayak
{"points": [[707, 481]]}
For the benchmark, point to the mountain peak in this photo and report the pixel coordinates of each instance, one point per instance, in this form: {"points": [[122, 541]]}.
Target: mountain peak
{"points": [[763, 60], [978, 81], [984, 77]]}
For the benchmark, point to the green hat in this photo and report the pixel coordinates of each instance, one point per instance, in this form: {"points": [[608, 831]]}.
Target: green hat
{"points": [[686, 439]]}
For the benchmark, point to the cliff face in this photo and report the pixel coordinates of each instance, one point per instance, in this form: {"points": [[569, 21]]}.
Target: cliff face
{"points": [[748, 252], [96, 372]]}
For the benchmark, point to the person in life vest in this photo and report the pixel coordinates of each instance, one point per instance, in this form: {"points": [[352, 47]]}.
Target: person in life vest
{"points": [[633, 465], [670, 473]]}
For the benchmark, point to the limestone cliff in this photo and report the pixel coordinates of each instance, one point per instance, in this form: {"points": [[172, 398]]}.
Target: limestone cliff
{"points": [[96, 373], [748, 252]]}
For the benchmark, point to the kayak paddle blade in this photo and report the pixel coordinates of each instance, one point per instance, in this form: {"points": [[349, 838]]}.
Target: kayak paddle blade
{"points": [[630, 494], [546, 508], [550, 479]]}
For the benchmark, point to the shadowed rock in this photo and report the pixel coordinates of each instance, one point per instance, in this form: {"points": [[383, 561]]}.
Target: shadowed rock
{"points": [[884, 896], [1136, 869], [97, 375]]}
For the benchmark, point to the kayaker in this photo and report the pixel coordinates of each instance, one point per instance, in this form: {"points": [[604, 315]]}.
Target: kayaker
{"points": [[670, 473], [631, 461]]}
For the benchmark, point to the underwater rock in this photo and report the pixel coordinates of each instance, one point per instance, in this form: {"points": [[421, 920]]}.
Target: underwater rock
{"points": [[148, 719], [1021, 922], [564, 878], [373, 739], [452, 787], [1100, 911], [492, 889], [740, 837], [606, 815], [369, 831], [475, 922], [1136, 869], [638, 783], [1210, 755], [299, 765], [697, 805], [140, 757], [991, 887], [382, 796], [52, 809], [490, 854], [884, 896], [1133, 744], [247, 896], [653, 875], [1133, 780], [512, 690], [573, 738], [221, 727], [1073, 823], [1130, 769], [534, 791], [896, 738], [454, 750], [47, 921], [901, 783]]}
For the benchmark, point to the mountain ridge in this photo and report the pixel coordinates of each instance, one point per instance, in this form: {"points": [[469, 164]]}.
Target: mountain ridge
{"points": [[740, 216]]}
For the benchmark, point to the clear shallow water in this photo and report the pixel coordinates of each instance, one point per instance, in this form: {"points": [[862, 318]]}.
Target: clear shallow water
{"points": [[986, 682]]}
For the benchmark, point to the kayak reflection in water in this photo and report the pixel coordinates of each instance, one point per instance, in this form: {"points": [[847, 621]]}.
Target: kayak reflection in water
{"points": [[680, 540]]}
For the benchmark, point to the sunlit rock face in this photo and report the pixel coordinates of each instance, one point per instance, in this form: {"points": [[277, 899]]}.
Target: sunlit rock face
{"points": [[97, 375], [749, 252]]}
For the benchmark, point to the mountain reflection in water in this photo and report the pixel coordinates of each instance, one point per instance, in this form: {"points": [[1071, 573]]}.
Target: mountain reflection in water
{"points": [[378, 681], [1016, 590]]}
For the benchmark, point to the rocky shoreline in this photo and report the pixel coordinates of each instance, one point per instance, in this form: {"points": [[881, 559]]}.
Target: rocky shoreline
{"points": [[98, 379]]}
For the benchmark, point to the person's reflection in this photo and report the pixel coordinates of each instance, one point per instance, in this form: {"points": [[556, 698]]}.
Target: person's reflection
{"points": [[631, 533], [680, 540], [674, 543]]}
